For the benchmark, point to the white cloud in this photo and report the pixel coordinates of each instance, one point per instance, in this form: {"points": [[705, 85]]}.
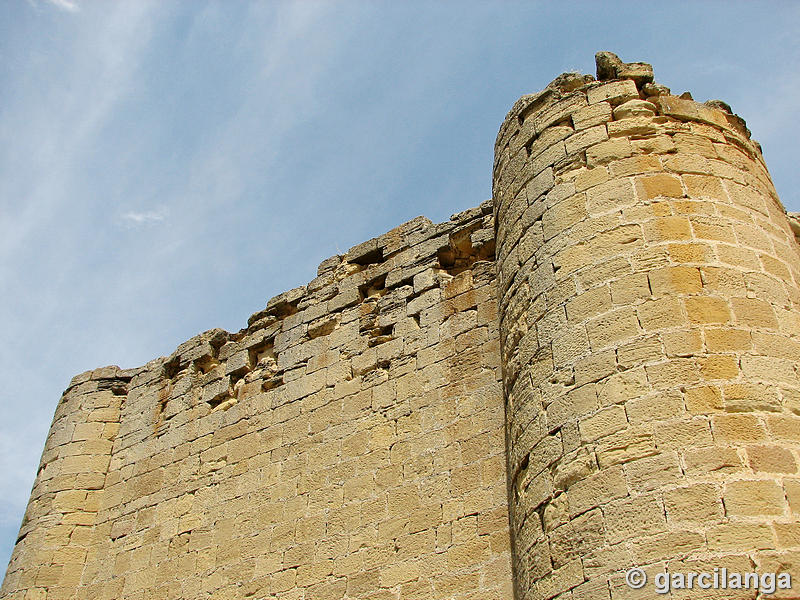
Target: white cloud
{"points": [[144, 217], [67, 5]]}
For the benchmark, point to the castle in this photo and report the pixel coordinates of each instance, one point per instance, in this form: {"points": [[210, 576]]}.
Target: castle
{"points": [[595, 370]]}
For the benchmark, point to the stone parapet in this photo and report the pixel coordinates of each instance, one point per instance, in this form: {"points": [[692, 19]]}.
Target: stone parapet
{"points": [[349, 442], [58, 535]]}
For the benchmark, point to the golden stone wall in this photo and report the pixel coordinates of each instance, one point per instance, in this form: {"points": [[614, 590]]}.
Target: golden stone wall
{"points": [[648, 285], [595, 370], [348, 444]]}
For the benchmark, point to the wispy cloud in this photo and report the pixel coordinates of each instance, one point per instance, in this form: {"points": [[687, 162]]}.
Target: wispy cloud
{"points": [[65, 5], [136, 218]]}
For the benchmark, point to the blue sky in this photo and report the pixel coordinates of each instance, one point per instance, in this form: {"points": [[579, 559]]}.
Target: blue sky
{"points": [[167, 167]]}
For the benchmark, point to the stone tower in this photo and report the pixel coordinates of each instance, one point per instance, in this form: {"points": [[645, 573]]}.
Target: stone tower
{"points": [[594, 371], [648, 296]]}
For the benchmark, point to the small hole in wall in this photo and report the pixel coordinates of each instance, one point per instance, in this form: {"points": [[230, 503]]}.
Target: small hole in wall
{"points": [[447, 258], [263, 351], [204, 364], [272, 383], [236, 377], [460, 254], [264, 364], [161, 406], [321, 327], [117, 387], [370, 258], [172, 368], [286, 309], [380, 335], [374, 288], [217, 401], [524, 464]]}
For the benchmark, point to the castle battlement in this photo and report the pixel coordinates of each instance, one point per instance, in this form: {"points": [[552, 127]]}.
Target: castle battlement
{"points": [[593, 371]]}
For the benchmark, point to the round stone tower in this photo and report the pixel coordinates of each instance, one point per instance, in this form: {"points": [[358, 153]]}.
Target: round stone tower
{"points": [[648, 288]]}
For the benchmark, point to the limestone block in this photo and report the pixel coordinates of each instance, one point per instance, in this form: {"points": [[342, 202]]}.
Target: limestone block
{"points": [[645, 510], [596, 489], [592, 115], [635, 108], [654, 186], [753, 498], [605, 422], [697, 503], [771, 459], [558, 111], [615, 92], [585, 138]]}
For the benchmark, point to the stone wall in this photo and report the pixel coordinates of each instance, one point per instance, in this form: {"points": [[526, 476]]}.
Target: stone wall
{"points": [[647, 277], [617, 387], [348, 443]]}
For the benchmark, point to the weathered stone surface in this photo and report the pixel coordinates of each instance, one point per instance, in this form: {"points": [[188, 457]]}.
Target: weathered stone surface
{"points": [[343, 441], [609, 66], [674, 436], [622, 319]]}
